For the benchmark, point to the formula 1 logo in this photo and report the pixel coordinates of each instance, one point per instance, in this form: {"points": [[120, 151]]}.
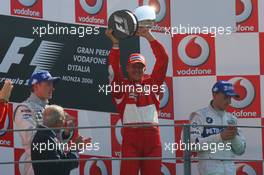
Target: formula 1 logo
{"points": [[96, 167], [247, 15], [116, 135], [162, 8], [91, 12], [166, 100], [248, 102], [28, 8], [193, 55], [40, 60], [6, 137]]}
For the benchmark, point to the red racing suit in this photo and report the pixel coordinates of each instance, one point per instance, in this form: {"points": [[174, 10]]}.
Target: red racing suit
{"points": [[139, 108]]}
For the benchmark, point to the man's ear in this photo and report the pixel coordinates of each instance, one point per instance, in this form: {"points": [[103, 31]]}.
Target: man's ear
{"points": [[214, 94]]}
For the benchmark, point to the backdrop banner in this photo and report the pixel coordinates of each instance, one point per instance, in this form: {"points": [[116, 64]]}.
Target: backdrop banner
{"points": [[76, 53]]}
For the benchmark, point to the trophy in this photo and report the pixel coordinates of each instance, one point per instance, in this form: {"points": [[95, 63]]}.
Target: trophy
{"points": [[125, 23]]}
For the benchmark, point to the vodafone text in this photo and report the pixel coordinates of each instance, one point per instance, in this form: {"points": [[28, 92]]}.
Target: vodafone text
{"points": [[213, 31], [212, 147], [138, 88], [80, 31], [27, 12]]}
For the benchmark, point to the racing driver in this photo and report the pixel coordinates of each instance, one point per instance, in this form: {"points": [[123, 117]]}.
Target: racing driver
{"points": [[226, 141], [139, 107]]}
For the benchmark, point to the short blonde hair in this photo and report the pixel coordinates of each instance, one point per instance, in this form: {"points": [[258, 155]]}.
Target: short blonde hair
{"points": [[52, 115]]}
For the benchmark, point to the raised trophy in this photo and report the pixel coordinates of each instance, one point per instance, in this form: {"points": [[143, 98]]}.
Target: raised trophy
{"points": [[125, 23]]}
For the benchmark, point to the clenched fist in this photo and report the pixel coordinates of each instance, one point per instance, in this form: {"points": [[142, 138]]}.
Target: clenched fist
{"points": [[5, 92], [229, 133]]}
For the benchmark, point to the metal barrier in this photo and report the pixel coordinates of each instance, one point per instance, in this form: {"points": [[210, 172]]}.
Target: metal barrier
{"points": [[186, 139]]}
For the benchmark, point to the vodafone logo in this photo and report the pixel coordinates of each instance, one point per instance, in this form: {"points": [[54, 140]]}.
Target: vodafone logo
{"points": [[5, 126], [165, 96], [245, 169], [165, 170], [91, 6], [27, 3], [160, 7], [246, 91], [193, 50], [243, 10], [118, 132], [97, 167]]}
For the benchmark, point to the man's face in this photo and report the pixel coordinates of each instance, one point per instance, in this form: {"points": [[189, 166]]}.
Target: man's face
{"points": [[135, 71], [44, 89], [221, 100]]}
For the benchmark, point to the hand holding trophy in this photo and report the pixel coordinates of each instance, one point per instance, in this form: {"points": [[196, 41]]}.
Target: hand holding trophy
{"points": [[126, 24]]}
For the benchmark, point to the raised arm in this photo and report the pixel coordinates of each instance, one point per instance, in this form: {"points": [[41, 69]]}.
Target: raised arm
{"points": [[160, 68], [114, 69]]}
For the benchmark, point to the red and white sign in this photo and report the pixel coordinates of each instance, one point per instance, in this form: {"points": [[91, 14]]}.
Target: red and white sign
{"points": [[162, 8], [7, 137], [95, 167], [91, 12], [249, 168], [261, 47], [247, 15], [168, 168], [248, 88], [193, 55], [116, 135], [166, 100], [28, 8], [19, 156]]}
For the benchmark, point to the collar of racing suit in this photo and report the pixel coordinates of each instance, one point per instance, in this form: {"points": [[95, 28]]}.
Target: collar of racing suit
{"points": [[35, 99], [220, 113]]}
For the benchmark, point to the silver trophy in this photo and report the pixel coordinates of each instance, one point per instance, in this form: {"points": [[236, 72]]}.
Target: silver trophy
{"points": [[125, 23]]}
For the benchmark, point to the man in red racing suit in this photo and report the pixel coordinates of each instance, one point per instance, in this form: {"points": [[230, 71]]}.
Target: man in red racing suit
{"points": [[139, 107]]}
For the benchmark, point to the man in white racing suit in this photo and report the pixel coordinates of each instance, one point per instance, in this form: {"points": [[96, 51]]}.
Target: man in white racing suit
{"points": [[217, 142], [29, 114]]}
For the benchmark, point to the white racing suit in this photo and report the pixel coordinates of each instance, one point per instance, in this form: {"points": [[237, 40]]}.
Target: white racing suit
{"points": [[210, 135], [27, 116]]}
